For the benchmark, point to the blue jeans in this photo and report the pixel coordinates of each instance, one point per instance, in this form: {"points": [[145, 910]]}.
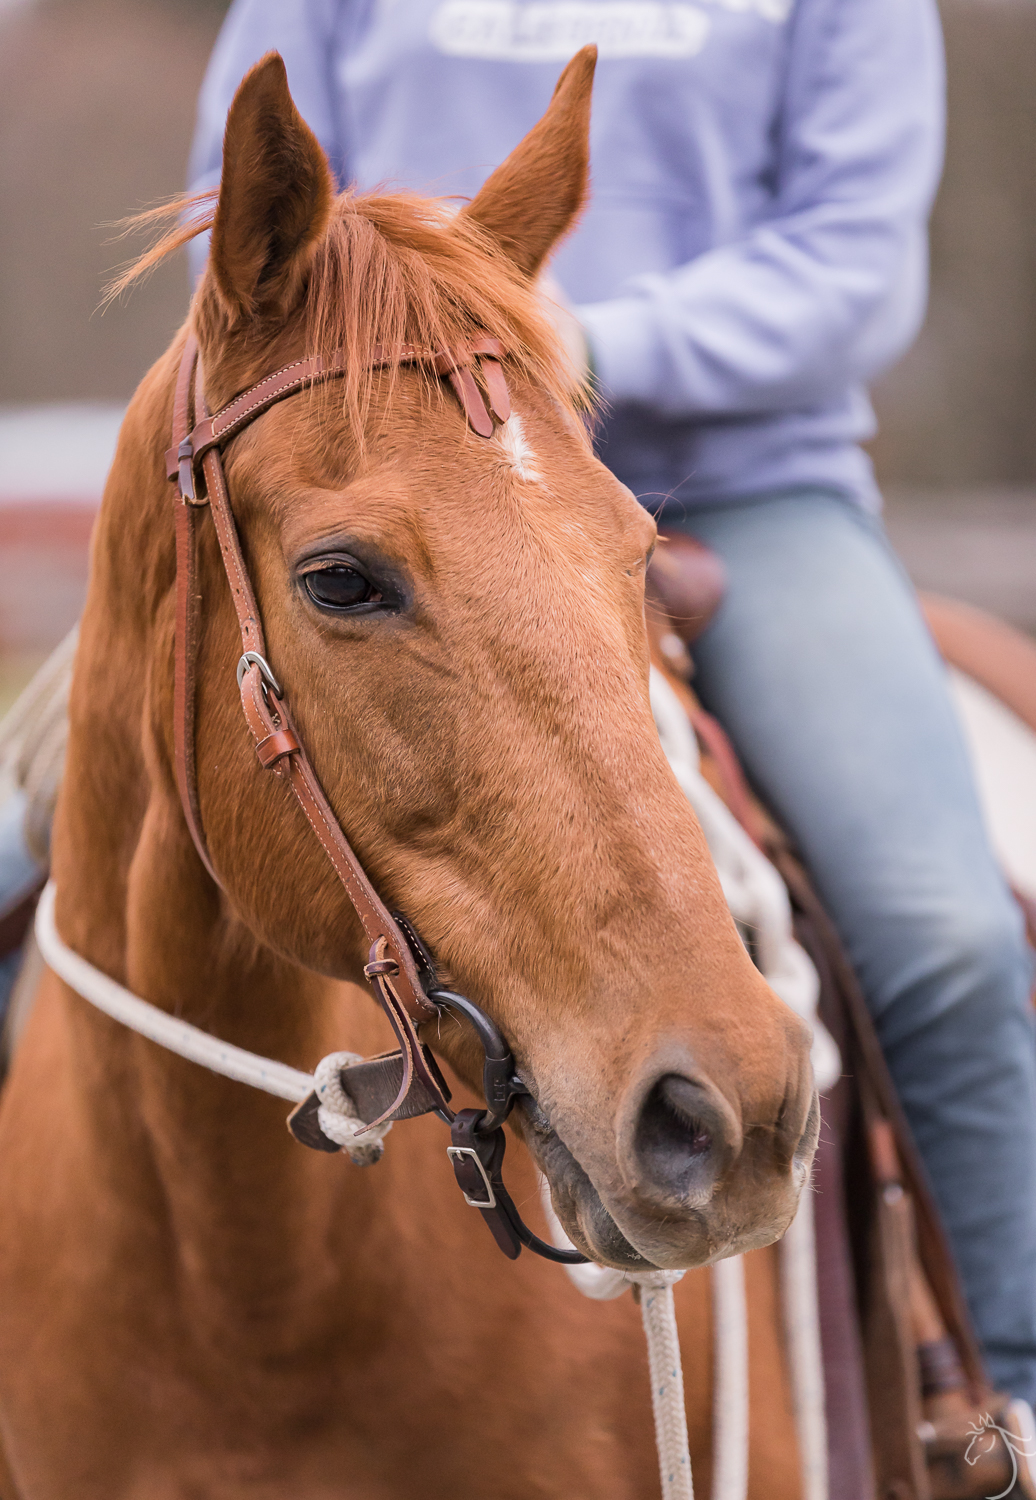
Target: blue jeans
{"points": [[18, 874], [821, 668]]}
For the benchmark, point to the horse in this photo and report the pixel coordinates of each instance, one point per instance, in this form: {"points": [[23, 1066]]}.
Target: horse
{"points": [[191, 1303]]}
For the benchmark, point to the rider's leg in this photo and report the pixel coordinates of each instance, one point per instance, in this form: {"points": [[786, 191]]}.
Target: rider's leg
{"points": [[820, 666], [19, 872]]}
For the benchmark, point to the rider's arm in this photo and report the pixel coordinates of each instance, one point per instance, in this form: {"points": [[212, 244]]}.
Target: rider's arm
{"points": [[831, 288], [304, 33]]}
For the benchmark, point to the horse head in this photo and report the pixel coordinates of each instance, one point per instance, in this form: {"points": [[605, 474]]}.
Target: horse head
{"points": [[458, 621]]}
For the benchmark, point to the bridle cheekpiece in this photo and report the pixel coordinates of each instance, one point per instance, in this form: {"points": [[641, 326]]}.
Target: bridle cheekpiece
{"points": [[405, 1083]]}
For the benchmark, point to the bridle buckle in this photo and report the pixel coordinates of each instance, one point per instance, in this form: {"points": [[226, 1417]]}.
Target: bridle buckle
{"points": [[253, 659], [463, 1158]]}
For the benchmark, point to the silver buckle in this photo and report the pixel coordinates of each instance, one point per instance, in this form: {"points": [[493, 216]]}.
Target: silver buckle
{"points": [[253, 659], [453, 1152]]}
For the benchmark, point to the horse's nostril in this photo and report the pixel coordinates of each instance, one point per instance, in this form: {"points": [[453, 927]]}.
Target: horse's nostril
{"points": [[677, 1136]]}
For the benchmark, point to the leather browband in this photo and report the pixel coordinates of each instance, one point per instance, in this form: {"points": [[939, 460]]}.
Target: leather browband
{"points": [[212, 432]]}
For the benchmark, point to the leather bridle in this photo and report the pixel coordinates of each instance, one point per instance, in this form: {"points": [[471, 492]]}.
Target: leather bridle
{"points": [[397, 1085]]}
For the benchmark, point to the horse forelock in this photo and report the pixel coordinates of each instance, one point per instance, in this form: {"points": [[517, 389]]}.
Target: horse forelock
{"points": [[390, 269]]}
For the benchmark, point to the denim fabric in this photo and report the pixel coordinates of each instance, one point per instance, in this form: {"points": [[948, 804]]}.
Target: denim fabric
{"points": [[18, 874], [820, 666]]}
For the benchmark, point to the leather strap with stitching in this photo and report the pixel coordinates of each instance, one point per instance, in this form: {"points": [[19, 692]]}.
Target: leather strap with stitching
{"points": [[186, 628], [391, 969], [213, 431]]}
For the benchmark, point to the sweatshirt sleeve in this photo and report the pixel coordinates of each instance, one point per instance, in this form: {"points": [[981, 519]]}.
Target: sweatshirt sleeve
{"points": [[831, 287], [304, 32]]}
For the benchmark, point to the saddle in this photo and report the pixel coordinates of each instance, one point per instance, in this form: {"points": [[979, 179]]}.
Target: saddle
{"points": [[686, 581], [911, 1414]]}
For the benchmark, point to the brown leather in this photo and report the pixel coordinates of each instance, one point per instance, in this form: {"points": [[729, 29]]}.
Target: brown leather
{"points": [[850, 1464], [940, 1367], [885, 1165], [266, 713], [281, 742], [304, 1124], [214, 431], [689, 580], [496, 386], [186, 628], [991, 652], [736, 791], [470, 398], [864, 1055], [891, 1355], [368, 1083]]}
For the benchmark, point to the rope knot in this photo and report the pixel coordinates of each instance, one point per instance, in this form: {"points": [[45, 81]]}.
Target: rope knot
{"points": [[337, 1114]]}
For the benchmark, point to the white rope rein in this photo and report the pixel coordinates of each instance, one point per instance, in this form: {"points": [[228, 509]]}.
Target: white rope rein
{"points": [[805, 1355], [337, 1114], [759, 904], [658, 1314], [730, 1380]]}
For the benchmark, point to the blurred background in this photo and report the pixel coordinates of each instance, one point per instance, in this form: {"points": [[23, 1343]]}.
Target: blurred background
{"points": [[96, 113]]}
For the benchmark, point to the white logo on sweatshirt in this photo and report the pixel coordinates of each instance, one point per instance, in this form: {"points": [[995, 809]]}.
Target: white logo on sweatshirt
{"points": [[545, 32], [552, 30]]}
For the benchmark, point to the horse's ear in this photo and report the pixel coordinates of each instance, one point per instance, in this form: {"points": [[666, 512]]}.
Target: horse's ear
{"points": [[274, 197], [535, 196]]}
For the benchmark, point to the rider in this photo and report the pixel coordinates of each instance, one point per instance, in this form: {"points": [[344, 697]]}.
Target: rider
{"points": [[753, 254]]}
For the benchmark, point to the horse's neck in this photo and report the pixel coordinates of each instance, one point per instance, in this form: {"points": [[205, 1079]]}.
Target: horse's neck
{"points": [[244, 1209]]}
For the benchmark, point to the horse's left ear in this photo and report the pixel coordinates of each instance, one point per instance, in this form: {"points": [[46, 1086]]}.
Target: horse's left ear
{"points": [[535, 196], [274, 197]]}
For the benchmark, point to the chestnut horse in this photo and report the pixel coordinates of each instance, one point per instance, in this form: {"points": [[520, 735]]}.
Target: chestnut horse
{"points": [[191, 1303]]}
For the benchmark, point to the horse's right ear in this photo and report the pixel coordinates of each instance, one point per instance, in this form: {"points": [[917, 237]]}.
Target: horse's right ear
{"points": [[274, 198], [535, 196]]}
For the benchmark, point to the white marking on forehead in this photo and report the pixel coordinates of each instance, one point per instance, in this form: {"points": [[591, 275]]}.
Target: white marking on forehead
{"points": [[512, 440]]}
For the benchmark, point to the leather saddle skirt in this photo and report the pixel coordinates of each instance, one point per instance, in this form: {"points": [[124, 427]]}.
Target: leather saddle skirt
{"points": [[688, 580]]}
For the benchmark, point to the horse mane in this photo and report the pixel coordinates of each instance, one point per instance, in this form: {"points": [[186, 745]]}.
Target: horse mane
{"points": [[391, 269]]}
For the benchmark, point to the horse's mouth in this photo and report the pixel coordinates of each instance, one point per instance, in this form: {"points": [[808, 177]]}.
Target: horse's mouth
{"points": [[691, 1236], [577, 1202]]}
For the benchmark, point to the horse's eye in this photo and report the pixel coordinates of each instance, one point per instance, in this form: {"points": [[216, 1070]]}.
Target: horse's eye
{"points": [[338, 586]]}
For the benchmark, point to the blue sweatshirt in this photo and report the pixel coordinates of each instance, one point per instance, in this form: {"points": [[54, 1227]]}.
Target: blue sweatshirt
{"points": [[755, 247]]}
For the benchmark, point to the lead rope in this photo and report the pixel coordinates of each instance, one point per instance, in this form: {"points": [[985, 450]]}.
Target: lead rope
{"points": [[730, 1371], [654, 1291], [798, 1262], [658, 1313], [759, 903], [730, 1380]]}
